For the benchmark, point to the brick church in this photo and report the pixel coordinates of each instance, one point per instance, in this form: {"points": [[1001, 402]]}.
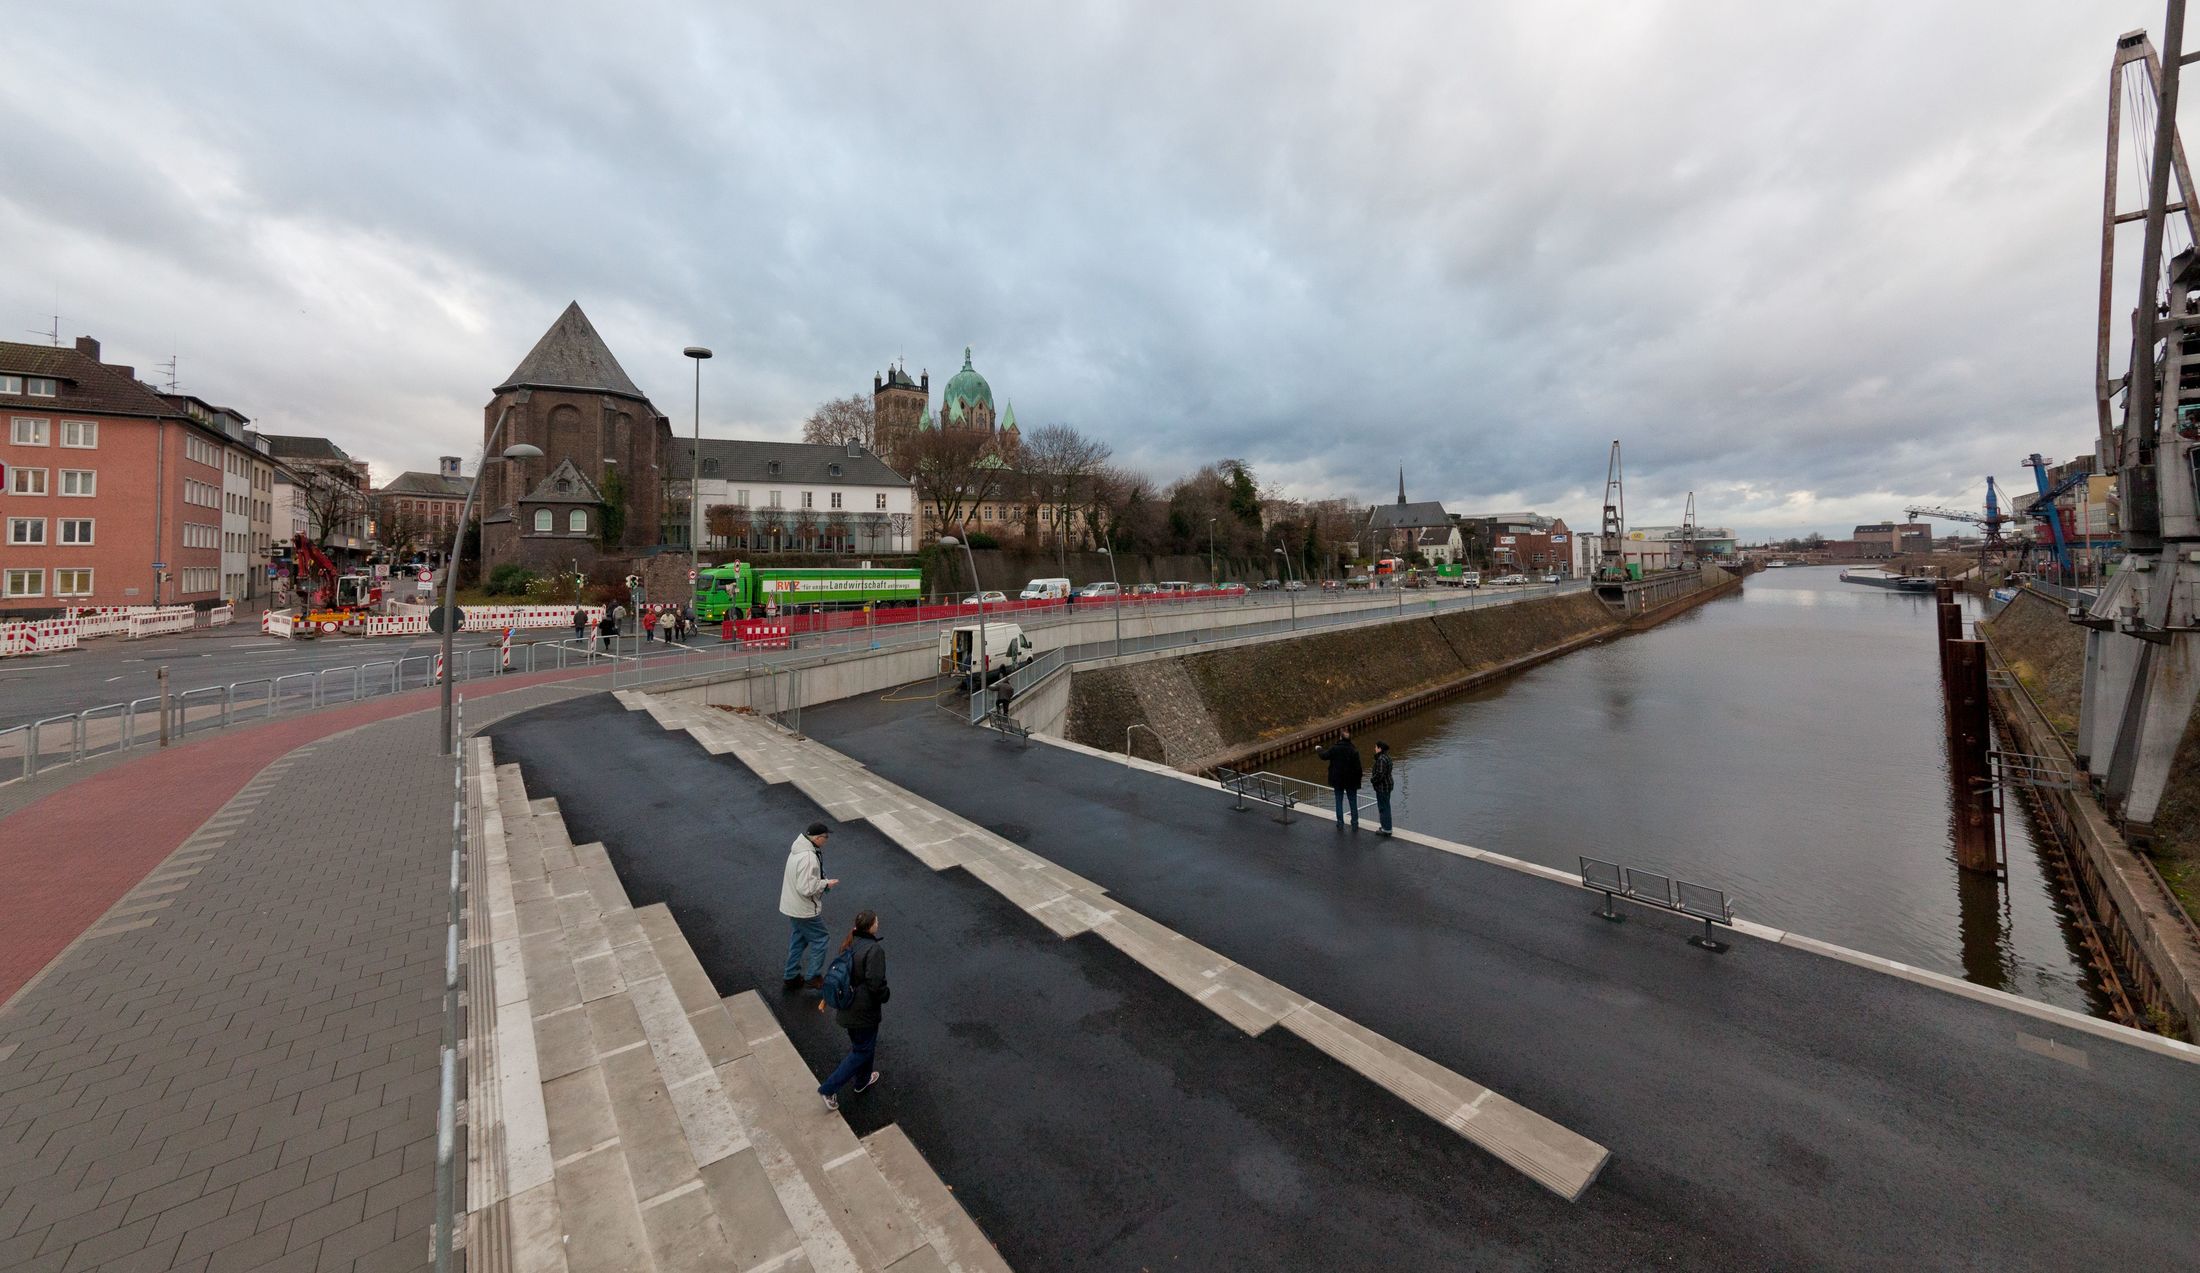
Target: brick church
{"points": [[597, 494], [903, 409]]}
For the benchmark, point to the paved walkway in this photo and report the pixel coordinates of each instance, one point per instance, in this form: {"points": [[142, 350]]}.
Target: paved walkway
{"points": [[231, 1062]]}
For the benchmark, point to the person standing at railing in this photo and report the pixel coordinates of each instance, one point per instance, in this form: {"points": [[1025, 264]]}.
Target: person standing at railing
{"points": [[1344, 778], [580, 623]]}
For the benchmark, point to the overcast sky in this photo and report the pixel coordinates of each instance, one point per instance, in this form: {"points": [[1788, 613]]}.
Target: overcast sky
{"points": [[1813, 262]]}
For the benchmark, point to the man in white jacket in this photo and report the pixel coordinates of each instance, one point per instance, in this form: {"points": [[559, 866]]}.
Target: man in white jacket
{"points": [[802, 901]]}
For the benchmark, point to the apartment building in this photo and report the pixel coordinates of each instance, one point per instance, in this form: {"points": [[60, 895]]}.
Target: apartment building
{"points": [[113, 493]]}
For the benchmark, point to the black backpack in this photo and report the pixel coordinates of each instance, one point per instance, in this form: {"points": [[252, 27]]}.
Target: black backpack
{"points": [[840, 984]]}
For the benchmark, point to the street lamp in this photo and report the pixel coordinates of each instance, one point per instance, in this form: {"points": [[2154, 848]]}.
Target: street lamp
{"points": [[695, 474], [982, 661], [1212, 578], [1289, 594], [517, 451], [1117, 579]]}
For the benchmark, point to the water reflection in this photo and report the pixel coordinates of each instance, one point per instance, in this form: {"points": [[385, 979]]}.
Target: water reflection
{"points": [[1785, 744]]}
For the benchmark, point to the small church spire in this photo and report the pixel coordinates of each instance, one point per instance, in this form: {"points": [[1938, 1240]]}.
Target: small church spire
{"points": [[1401, 485]]}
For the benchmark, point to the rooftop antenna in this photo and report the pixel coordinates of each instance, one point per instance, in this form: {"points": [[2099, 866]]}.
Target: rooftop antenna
{"points": [[53, 336], [170, 368], [1611, 562]]}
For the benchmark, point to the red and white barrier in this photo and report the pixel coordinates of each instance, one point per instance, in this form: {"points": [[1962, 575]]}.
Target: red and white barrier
{"points": [[160, 623], [763, 634], [277, 623], [408, 619], [38, 636], [221, 615]]}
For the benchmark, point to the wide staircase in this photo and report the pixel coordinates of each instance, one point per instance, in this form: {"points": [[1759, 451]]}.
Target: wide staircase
{"points": [[622, 1116]]}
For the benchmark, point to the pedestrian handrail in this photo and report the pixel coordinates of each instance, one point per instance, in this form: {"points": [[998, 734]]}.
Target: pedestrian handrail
{"points": [[1664, 892], [1284, 793], [991, 700]]}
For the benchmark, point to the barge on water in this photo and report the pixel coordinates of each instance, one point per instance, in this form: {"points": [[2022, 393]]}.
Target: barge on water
{"points": [[1888, 579]]}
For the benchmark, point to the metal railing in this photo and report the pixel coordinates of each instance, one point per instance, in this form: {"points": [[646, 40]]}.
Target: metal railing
{"points": [[446, 1111], [1004, 690], [1281, 790], [30, 749]]}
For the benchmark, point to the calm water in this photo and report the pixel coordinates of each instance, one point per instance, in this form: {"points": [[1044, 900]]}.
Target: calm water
{"points": [[1784, 744]]}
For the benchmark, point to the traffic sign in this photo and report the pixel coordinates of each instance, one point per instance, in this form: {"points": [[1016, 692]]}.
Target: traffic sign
{"points": [[160, 565], [691, 576]]}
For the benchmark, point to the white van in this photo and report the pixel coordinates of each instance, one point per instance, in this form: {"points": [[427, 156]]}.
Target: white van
{"points": [[1006, 649], [1044, 590]]}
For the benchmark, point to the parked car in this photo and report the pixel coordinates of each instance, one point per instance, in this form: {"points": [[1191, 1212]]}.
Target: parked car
{"points": [[1296, 585], [1099, 590], [1511, 581], [1234, 589], [1328, 585], [991, 598], [1174, 587], [1270, 585], [1554, 577], [1146, 590]]}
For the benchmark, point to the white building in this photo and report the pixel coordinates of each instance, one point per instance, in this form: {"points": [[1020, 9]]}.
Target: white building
{"points": [[764, 497], [1440, 546]]}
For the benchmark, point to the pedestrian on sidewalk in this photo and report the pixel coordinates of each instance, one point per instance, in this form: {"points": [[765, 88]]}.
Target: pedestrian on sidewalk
{"points": [[1344, 777], [860, 1018], [687, 623], [649, 625], [580, 623], [1380, 779], [802, 890], [606, 628]]}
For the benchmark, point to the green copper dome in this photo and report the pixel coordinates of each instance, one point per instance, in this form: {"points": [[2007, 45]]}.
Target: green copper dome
{"points": [[967, 389]]}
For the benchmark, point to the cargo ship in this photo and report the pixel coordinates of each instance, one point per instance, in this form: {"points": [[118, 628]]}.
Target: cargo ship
{"points": [[1887, 579]]}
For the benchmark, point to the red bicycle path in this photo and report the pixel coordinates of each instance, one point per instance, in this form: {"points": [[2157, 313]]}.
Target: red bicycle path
{"points": [[68, 856]]}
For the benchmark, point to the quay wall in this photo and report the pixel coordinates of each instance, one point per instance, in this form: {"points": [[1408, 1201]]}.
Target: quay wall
{"points": [[1246, 704]]}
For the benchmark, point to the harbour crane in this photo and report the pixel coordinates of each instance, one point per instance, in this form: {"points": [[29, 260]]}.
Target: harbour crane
{"points": [[1989, 522], [1612, 561]]}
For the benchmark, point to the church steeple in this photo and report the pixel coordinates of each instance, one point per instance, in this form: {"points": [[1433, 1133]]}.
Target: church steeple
{"points": [[1401, 485]]}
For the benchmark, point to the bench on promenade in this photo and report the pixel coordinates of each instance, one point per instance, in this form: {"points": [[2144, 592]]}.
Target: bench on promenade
{"points": [[1281, 793], [1008, 725], [1648, 888]]}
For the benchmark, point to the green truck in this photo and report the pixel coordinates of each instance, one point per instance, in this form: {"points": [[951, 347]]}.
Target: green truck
{"points": [[750, 592]]}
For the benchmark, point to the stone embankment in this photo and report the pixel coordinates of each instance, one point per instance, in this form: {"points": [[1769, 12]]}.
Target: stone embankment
{"points": [[1245, 704]]}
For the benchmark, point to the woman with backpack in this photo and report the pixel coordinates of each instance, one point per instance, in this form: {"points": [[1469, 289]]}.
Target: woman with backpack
{"points": [[855, 987]]}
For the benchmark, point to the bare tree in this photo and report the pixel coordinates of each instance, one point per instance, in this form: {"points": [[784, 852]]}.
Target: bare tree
{"points": [[400, 532], [955, 470], [1060, 464], [333, 506], [837, 421]]}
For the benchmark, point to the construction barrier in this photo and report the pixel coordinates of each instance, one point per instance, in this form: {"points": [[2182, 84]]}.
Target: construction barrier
{"points": [[407, 619], [220, 615], [277, 623], [761, 634], [38, 636], [160, 624]]}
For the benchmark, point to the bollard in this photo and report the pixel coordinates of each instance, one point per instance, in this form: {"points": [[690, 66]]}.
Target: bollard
{"points": [[1970, 771], [161, 674]]}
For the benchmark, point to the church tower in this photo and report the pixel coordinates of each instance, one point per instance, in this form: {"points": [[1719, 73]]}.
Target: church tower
{"points": [[597, 491], [898, 407]]}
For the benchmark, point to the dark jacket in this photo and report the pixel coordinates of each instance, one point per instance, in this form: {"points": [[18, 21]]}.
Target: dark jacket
{"points": [[1379, 777], [869, 978], [1344, 764]]}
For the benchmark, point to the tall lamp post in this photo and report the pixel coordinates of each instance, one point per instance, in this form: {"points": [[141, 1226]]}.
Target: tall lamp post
{"points": [[982, 663], [1117, 579], [1291, 594], [1212, 578], [517, 451], [695, 475]]}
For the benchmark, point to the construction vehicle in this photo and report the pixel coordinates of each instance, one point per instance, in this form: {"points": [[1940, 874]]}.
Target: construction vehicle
{"points": [[329, 600]]}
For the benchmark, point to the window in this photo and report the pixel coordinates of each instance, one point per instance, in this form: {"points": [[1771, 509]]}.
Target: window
{"points": [[76, 530], [809, 499], [202, 451], [26, 530], [26, 481], [882, 501], [39, 386], [81, 434], [577, 522], [740, 499], [28, 432], [984, 515], [542, 521], [201, 578], [11, 384], [72, 583], [202, 494], [775, 496], [79, 482], [26, 583], [836, 499], [197, 536]]}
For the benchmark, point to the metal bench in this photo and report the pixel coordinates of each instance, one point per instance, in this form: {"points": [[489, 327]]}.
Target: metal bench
{"points": [[1009, 726], [1648, 888], [1275, 790]]}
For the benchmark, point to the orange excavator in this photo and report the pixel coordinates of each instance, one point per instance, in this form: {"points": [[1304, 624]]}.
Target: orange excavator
{"points": [[328, 599]]}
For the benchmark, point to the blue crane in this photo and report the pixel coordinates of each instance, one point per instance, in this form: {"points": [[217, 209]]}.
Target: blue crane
{"points": [[2043, 508]]}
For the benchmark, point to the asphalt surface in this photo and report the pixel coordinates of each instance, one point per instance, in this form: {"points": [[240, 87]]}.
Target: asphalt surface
{"points": [[1781, 1108], [1088, 1115]]}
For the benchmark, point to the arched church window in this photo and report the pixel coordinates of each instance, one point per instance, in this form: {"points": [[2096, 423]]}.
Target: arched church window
{"points": [[542, 521], [577, 521]]}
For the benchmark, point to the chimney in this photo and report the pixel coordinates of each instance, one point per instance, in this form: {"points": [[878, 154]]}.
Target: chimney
{"points": [[448, 465], [855, 448], [88, 347]]}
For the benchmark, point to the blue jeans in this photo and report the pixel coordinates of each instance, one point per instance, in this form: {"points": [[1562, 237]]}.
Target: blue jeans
{"points": [[805, 947], [1382, 807], [862, 1049], [1348, 800]]}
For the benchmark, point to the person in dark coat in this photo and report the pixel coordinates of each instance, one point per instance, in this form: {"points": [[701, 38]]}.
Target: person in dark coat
{"points": [[861, 1018], [1379, 777], [580, 623], [1344, 777]]}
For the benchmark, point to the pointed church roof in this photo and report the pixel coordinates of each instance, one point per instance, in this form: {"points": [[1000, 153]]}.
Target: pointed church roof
{"points": [[572, 356], [565, 484], [1009, 425]]}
